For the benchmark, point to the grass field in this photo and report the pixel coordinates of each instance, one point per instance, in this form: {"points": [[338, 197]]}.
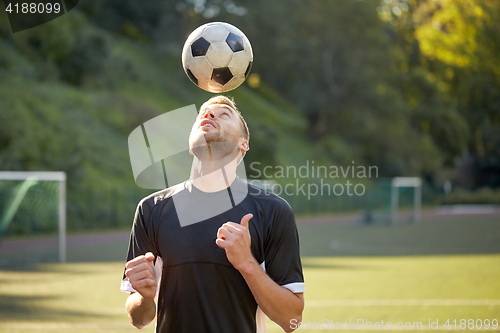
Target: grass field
{"points": [[444, 268]]}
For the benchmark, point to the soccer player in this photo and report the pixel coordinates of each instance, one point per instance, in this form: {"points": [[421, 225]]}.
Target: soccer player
{"points": [[237, 260]]}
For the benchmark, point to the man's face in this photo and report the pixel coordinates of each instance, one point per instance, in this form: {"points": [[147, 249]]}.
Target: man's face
{"points": [[216, 123]]}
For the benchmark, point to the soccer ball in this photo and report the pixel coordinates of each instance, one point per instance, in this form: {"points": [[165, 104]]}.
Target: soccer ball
{"points": [[217, 57]]}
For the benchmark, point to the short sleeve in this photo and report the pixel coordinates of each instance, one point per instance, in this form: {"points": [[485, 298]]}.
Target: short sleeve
{"points": [[282, 254], [141, 241]]}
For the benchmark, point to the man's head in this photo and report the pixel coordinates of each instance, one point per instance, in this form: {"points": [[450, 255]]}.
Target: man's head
{"points": [[221, 125]]}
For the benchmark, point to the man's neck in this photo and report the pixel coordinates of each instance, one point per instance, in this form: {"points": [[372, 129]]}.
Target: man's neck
{"points": [[213, 177]]}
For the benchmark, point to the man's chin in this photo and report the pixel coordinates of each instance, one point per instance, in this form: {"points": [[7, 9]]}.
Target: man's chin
{"points": [[215, 150], [212, 136]]}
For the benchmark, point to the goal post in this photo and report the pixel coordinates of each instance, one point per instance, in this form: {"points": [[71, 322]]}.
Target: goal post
{"points": [[31, 178], [414, 182]]}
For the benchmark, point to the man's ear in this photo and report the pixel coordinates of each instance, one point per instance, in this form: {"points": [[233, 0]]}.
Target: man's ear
{"points": [[191, 152], [244, 146]]}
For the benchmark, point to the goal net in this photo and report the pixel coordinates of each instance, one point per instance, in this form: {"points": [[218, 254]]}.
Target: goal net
{"points": [[32, 217], [399, 183], [393, 200]]}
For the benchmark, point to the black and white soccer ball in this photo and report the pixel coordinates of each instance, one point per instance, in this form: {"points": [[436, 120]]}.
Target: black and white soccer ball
{"points": [[217, 57]]}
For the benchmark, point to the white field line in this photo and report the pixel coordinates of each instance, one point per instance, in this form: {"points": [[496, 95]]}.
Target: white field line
{"points": [[63, 325], [55, 313], [270, 326], [273, 326], [401, 302]]}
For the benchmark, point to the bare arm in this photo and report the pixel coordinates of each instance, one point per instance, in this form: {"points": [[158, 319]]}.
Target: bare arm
{"points": [[141, 311], [278, 303], [140, 305]]}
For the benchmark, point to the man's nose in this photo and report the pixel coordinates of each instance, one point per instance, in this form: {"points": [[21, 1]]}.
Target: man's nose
{"points": [[209, 114]]}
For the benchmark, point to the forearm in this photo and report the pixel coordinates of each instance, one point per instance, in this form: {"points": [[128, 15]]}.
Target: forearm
{"points": [[141, 311], [277, 302]]}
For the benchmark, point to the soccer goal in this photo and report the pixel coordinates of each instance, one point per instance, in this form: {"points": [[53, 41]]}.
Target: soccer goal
{"points": [[30, 204], [396, 184]]}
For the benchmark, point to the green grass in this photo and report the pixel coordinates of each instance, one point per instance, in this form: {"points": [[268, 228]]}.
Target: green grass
{"points": [[436, 271], [347, 279], [56, 298], [84, 296]]}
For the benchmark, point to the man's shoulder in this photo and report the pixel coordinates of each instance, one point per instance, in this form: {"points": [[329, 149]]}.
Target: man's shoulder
{"points": [[162, 195], [268, 199]]}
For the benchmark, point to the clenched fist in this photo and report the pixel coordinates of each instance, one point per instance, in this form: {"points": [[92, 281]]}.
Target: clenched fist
{"points": [[142, 276]]}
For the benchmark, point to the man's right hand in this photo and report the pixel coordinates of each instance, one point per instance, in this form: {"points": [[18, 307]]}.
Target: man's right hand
{"points": [[142, 276]]}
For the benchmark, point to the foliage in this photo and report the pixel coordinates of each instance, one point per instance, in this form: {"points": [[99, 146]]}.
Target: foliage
{"points": [[456, 44], [412, 87], [482, 196]]}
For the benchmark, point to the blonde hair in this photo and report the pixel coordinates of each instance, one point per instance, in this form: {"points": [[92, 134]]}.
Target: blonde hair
{"points": [[221, 99]]}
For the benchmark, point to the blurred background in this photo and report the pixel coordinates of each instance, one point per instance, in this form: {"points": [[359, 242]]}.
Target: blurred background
{"points": [[409, 86]]}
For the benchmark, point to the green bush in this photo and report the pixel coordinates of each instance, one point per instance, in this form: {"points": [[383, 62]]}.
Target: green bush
{"points": [[484, 196]]}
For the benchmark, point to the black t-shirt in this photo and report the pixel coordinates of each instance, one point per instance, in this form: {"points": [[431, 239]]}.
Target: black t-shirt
{"points": [[200, 290]]}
